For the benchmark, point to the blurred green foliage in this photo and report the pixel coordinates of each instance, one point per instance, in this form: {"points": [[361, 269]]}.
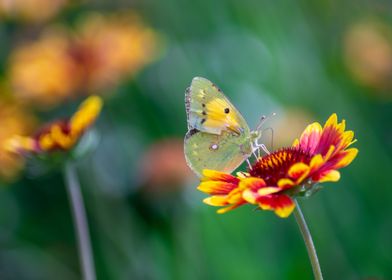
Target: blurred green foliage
{"points": [[267, 56]]}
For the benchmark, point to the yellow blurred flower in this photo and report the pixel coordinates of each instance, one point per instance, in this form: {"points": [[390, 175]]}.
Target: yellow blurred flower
{"points": [[113, 47], [368, 54], [60, 135], [14, 119], [43, 71], [31, 10]]}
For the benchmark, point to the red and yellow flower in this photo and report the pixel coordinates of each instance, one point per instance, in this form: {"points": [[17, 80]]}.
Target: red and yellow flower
{"points": [[59, 135], [273, 180]]}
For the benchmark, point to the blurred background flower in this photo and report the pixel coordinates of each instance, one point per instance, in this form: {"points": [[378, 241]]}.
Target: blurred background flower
{"points": [[43, 71], [113, 47], [287, 125], [30, 10], [58, 135], [15, 119], [368, 54], [62, 64], [163, 166]]}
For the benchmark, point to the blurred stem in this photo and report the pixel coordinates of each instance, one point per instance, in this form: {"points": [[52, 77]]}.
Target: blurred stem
{"points": [[299, 217], [80, 221]]}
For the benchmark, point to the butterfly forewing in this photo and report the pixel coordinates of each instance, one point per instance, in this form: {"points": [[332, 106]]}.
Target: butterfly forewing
{"points": [[209, 110]]}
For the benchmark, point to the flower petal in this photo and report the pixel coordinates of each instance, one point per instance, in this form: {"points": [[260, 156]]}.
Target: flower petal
{"points": [[250, 196], [216, 200], [348, 137], [345, 158], [235, 196], [268, 191], [226, 209], [216, 187], [213, 175], [333, 134], [328, 176], [242, 174], [252, 183], [332, 121], [87, 113], [19, 144], [316, 163], [310, 137], [285, 183], [296, 143], [299, 171], [282, 204]]}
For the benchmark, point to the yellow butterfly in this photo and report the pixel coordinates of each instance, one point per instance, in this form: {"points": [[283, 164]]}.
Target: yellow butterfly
{"points": [[218, 136]]}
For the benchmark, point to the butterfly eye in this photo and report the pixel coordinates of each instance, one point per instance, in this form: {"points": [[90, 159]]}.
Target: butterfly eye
{"points": [[214, 147], [227, 110]]}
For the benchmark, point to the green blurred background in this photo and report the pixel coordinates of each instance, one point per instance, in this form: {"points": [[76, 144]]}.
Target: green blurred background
{"points": [[301, 59]]}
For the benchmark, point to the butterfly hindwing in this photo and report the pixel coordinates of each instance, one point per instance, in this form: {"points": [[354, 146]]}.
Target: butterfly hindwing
{"points": [[209, 110], [224, 152]]}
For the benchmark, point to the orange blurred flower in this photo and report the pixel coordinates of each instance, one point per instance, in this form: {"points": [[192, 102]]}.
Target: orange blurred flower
{"points": [[31, 10], [163, 166], [43, 71], [14, 119], [113, 47], [59, 135], [99, 54], [276, 178], [368, 54]]}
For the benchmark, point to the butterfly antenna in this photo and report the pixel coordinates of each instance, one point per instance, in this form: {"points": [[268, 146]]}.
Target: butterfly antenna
{"points": [[263, 119]]}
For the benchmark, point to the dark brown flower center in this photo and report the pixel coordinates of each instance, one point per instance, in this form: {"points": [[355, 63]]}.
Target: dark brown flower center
{"points": [[274, 166]]}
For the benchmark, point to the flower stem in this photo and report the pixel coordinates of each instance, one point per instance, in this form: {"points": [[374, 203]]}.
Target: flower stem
{"points": [[80, 221], [299, 217]]}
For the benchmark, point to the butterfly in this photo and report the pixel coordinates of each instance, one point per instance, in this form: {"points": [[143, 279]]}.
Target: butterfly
{"points": [[218, 136]]}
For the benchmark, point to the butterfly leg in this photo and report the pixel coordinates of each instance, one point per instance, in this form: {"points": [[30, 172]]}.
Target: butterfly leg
{"points": [[250, 165], [263, 147], [247, 159], [258, 149]]}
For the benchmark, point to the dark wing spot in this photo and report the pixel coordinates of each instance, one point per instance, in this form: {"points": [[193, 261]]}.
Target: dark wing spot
{"points": [[204, 113], [216, 87], [203, 105], [227, 110], [191, 132], [202, 121]]}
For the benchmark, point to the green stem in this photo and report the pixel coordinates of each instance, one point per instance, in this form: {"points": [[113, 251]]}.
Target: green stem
{"points": [[299, 217], [80, 221]]}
